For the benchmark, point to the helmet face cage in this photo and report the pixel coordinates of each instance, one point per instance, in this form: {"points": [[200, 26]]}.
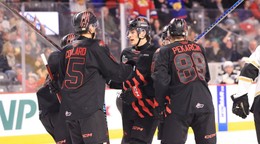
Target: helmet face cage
{"points": [[178, 27], [81, 21], [164, 34], [139, 24]]}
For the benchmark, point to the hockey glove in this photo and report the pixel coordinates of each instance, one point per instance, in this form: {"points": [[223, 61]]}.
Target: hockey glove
{"points": [[54, 87], [131, 62], [159, 113], [240, 106], [131, 95]]}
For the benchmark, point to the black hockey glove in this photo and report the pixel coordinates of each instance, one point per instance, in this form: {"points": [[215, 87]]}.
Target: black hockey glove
{"points": [[131, 62], [240, 106], [127, 96], [54, 87], [159, 113]]}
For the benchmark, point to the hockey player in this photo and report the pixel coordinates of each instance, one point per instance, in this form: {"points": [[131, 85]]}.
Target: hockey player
{"points": [[137, 91], [249, 73], [84, 66], [165, 41], [181, 73], [51, 112]]}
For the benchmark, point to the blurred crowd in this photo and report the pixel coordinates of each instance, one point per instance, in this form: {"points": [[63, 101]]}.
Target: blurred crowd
{"points": [[228, 44]]}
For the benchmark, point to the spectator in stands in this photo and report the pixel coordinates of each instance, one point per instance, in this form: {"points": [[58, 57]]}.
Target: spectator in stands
{"points": [[245, 13], [163, 11], [40, 69], [111, 28], [112, 6], [4, 21], [156, 31], [77, 6], [215, 53], [156, 27], [251, 48], [191, 34], [229, 47], [47, 51], [35, 44], [36, 22], [8, 51], [32, 82], [4, 66], [257, 36], [229, 75], [19, 73], [7, 61], [255, 9], [29, 57], [178, 9], [141, 7]]}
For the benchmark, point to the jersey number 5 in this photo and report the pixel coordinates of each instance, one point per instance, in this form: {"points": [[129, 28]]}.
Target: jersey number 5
{"points": [[74, 76]]}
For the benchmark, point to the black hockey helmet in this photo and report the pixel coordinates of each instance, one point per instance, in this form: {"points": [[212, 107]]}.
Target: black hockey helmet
{"points": [[178, 27], [164, 33], [67, 39], [140, 24], [82, 20]]}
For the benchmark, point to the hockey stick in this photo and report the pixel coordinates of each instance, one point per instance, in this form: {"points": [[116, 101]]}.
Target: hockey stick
{"points": [[105, 112], [219, 19], [50, 74], [43, 36], [31, 25]]}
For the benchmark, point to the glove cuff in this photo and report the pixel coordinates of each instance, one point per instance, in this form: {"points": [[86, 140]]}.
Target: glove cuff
{"points": [[243, 97]]}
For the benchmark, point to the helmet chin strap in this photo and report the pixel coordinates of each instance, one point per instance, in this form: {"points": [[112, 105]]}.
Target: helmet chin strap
{"points": [[92, 34], [139, 39]]}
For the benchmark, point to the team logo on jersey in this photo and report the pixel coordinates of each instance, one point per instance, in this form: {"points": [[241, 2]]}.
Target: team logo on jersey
{"points": [[142, 3], [124, 59], [199, 105], [67, 113], [146, 55], [177, 6]]}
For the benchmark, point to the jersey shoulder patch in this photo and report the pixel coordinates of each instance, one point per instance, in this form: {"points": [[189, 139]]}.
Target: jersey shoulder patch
{"points": [[124, 59]]}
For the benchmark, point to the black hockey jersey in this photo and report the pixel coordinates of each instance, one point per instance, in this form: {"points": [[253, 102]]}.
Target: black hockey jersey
{"points": [[84, 66], [181, 72], [139, 83]]}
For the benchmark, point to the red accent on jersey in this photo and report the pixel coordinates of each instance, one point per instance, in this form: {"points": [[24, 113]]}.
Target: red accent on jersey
{"points": [[141, 76], [137, 110], [150, 102], [141, 103]]}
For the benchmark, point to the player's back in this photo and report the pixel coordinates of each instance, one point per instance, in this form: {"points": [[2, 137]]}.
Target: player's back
{"points": [[189, 76], [84, 65]]}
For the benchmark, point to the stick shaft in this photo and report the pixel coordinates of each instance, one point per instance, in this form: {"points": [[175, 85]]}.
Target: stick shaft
{"points": [[219, 19], [50, 74]]}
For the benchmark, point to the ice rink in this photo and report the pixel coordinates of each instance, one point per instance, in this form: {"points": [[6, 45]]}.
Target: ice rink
{"points": [[235, 137]]}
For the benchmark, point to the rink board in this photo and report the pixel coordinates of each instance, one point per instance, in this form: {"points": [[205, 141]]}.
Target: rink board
{"points": [[19, 116]]}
